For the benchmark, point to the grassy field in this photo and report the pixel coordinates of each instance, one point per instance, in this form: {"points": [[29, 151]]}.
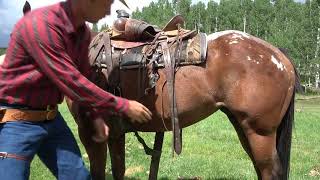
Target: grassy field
{"points": [[2, 51], [211, 150]]}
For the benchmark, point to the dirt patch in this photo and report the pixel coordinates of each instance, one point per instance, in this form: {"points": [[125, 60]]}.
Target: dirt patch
{"points": [[315, 172], [133, 170], [189, 178]]}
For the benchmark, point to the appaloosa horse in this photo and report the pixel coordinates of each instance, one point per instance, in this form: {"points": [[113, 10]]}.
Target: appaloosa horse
{"points": [[250, 80]]}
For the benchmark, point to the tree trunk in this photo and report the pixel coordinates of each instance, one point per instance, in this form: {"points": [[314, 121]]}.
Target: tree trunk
{"points": [[216, 25], [244, 22], [317, 83], [318, 44]]}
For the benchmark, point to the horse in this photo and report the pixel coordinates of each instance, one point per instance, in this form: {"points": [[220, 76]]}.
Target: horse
{"points": [[251, 81]]}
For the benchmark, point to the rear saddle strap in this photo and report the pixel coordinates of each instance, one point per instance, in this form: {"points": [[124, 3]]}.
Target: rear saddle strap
{"points": [[7, 115], [4, 155], [170, 76]]}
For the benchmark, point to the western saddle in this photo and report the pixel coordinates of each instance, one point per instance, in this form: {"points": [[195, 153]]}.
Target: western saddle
{"points": [[135, 44]]}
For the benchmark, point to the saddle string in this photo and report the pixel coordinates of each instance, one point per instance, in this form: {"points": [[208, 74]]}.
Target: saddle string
{"points": [[162, 106], [142, 68]]}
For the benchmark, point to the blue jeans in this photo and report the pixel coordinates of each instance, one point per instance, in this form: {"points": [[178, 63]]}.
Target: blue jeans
{"points": [[51, 140]]}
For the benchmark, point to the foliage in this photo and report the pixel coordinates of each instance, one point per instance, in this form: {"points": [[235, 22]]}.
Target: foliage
{"points": [[104, 27], [95, 27], [284, 23], [2, 51]]}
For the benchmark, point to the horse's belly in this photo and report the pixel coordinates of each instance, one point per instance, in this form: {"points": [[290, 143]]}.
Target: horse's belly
{"points": [[191, 110]]}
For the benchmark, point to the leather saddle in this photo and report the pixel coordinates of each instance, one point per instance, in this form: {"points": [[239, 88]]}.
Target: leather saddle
{"points": [[134, 44]]}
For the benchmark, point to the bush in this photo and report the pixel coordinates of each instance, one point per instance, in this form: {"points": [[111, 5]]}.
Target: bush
{"points": [[311, 90], [2, 51]]}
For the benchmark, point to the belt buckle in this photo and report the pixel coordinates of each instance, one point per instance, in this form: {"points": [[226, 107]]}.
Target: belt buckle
{"points": [[51, 112], [3, 155]]}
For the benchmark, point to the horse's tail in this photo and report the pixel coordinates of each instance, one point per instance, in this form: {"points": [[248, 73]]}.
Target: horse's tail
{"points": [[284, 136], [284, 132]]}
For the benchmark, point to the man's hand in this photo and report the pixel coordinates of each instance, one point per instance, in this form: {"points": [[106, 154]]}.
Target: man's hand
{"points": [[138, 112]]}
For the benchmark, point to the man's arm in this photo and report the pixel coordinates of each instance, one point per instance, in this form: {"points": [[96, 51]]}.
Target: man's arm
{"points": [[44, 42]]}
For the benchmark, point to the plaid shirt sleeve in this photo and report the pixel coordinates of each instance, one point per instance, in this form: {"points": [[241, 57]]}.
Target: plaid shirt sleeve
{"points": [[47, 47]]}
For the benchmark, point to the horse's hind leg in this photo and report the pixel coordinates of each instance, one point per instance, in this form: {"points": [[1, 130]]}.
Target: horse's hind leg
{"points": [[260, 145], [242, 137], [263, 148]]}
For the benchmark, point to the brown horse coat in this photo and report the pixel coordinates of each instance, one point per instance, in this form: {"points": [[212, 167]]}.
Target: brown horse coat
{"points": [[250, 80]]}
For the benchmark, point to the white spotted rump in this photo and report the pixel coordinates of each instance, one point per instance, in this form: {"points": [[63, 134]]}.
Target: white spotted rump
{"points": [[278, 63]]}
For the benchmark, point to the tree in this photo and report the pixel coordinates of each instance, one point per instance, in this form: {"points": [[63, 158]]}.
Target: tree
{"points": [[95, 27], [283, 23], [183, 7], [197, 14], [2, 51], [211, 19], [104, 27]]}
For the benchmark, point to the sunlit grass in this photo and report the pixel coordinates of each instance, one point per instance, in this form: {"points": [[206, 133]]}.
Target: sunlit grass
{"points": [[211, 150]]}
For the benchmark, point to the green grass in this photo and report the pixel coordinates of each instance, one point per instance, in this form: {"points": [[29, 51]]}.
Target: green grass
{"points": [[2, 51], [211, 150]]}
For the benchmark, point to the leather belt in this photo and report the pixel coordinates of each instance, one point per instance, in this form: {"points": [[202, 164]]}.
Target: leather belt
{"points": [[4, 155], [11, 114]]}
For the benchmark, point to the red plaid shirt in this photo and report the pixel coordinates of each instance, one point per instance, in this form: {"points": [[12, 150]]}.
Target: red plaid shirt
{"points": [[48, 58]]}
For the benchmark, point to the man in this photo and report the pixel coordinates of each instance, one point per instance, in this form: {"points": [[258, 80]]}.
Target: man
{"points": [[46, 59]]}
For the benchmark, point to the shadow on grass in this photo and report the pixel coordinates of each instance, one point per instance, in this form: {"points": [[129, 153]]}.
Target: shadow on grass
{"points": [[200, 178], [109, 176], [164, 178], [229, 178]]}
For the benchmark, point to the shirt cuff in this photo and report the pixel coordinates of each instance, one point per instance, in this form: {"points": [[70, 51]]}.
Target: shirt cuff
{"points": [[122, 105]]}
